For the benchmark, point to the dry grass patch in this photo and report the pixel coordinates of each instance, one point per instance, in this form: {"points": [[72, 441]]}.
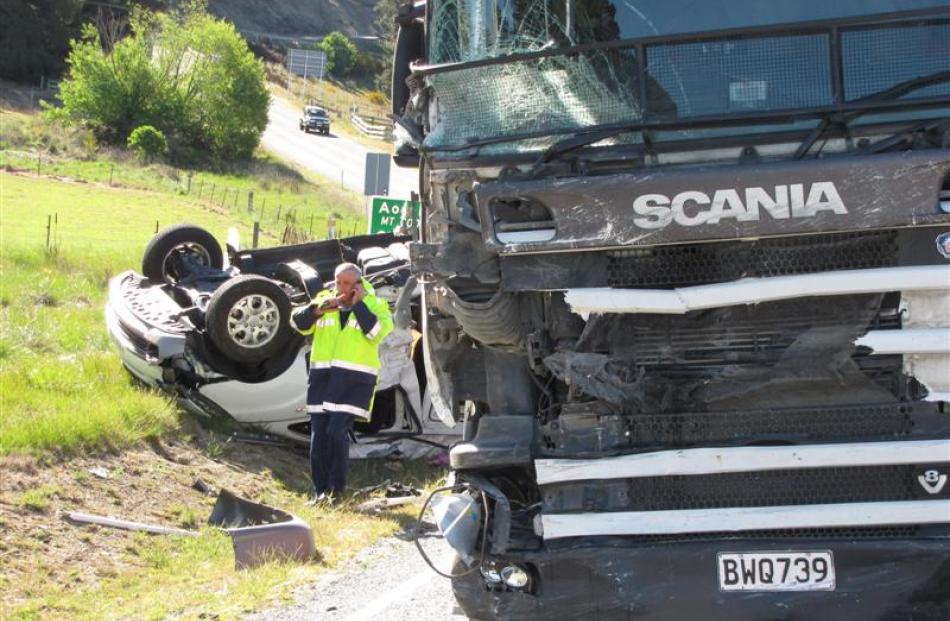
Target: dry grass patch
{"points": [[53, 569]]}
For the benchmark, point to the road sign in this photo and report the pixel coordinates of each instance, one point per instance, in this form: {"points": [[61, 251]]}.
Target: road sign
{"points": [[376, 180], [306, 63], [385, 214]]}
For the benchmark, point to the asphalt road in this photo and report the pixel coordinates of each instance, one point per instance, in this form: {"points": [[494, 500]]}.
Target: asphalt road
{"points": [[387, 581], [335, 157]]}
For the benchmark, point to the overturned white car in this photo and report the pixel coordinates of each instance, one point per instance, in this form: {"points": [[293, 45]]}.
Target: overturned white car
{"points": [[216, 333]]}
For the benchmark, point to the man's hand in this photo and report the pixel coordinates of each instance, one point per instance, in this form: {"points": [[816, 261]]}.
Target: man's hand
{"points": [[327, 306], [358, 294]]}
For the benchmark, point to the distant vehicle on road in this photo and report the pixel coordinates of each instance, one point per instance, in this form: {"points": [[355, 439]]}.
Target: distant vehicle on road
{"points": [[315, 118]]}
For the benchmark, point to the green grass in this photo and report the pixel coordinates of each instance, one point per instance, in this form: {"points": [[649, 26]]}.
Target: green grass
{"points": [[63, 391], [38, 498], [61, 388], [61, 385], [28, 143]]}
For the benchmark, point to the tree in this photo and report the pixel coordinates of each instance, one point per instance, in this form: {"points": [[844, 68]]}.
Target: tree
{"points": [[34, 37], [219, 83], [341, 53], [114, 93], [189, 75]]}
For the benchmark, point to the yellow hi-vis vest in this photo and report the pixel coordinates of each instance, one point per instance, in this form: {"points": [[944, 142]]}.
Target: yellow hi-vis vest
{"points": [[344, 362]]}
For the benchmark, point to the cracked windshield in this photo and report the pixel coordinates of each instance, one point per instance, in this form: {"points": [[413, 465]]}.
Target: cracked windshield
{"points": [[559, 93]]}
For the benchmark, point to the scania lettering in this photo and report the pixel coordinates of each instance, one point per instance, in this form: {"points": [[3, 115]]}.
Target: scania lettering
{"points": [[686, 292], [785, 202]]}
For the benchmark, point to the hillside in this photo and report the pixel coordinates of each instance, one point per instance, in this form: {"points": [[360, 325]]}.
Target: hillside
{"points": [[298, 17]]}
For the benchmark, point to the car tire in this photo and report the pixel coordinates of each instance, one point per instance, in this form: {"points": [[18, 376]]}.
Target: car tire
{"points": [[248, 318], [158, 263]]}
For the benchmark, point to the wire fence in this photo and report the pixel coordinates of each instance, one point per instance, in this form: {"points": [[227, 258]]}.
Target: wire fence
{"points": [[56, 231], [263, 218]]}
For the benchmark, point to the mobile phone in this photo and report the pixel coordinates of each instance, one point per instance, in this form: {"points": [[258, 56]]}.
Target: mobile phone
{"points": [[328, 304]]}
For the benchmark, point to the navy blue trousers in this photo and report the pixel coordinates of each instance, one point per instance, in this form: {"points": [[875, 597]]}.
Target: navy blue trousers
{"points": [[330, 450]]}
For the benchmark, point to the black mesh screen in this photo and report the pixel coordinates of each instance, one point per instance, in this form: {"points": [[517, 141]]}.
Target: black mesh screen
{"points": [[678, 266], [825, 424], [867, 532], [737, 75], [878, 59], [740, 489]]}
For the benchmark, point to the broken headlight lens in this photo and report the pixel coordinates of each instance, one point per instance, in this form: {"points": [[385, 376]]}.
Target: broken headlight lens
{"points": [[515, 577]]}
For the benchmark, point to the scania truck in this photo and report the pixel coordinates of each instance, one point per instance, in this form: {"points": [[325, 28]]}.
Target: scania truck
{"points": [[686, 273]]}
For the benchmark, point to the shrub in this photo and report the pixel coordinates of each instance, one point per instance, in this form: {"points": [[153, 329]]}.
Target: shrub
{"points": [[341, 53], [116, 92], [377, 98], [189, 76], [147, 142]]}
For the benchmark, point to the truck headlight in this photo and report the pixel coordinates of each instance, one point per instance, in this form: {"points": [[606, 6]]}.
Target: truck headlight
{"points": [[515, 576]]}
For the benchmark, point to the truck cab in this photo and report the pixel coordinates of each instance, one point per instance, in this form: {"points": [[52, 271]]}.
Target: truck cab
{"points": [[686, 277]]}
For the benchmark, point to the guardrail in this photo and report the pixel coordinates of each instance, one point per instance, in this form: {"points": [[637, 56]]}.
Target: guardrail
{"points": [[372, 126]]}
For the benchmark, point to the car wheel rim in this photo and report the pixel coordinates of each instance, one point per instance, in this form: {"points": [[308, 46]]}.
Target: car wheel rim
{"points": [[253, 321], [173, 257]]}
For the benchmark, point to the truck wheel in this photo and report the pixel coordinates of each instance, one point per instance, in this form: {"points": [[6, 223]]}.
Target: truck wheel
{"points": [[248, 318], [168, 255]]}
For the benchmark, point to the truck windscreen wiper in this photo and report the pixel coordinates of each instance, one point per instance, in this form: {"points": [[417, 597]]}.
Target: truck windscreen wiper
{"points": [[589, 137], [843, 118]]}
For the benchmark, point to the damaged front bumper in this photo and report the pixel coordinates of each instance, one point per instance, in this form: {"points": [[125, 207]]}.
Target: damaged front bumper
{"points": [[142, 346], [897, 578], [642, 535]]}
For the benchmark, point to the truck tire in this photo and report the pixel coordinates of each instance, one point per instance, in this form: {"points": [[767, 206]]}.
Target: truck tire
{"points": [[163, 254], [248, 318]]}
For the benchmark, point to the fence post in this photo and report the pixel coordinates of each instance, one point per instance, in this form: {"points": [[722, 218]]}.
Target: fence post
{"points": [[156, 226], [260, 218], [250, 202], [279, 207], [310, 230], [49, 227], [39, 159], [257, 232], [236, 194], [213, 186], [201, 186], [189, 182], [111, 173]]}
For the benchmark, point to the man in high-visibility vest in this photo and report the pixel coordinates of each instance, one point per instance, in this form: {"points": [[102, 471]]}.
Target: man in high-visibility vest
{"points": [[347, 323]]}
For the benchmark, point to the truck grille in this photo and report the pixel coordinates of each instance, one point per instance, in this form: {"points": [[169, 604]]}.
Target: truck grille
{"points": [[680, 266], [573, 435], [768, 488], [848, 533]]}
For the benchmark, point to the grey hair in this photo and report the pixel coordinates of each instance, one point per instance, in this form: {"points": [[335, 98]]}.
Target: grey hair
{"points": [[347, 267]]}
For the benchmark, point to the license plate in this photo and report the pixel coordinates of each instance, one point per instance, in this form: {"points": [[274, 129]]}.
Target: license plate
{"points": [[776, 571]]}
